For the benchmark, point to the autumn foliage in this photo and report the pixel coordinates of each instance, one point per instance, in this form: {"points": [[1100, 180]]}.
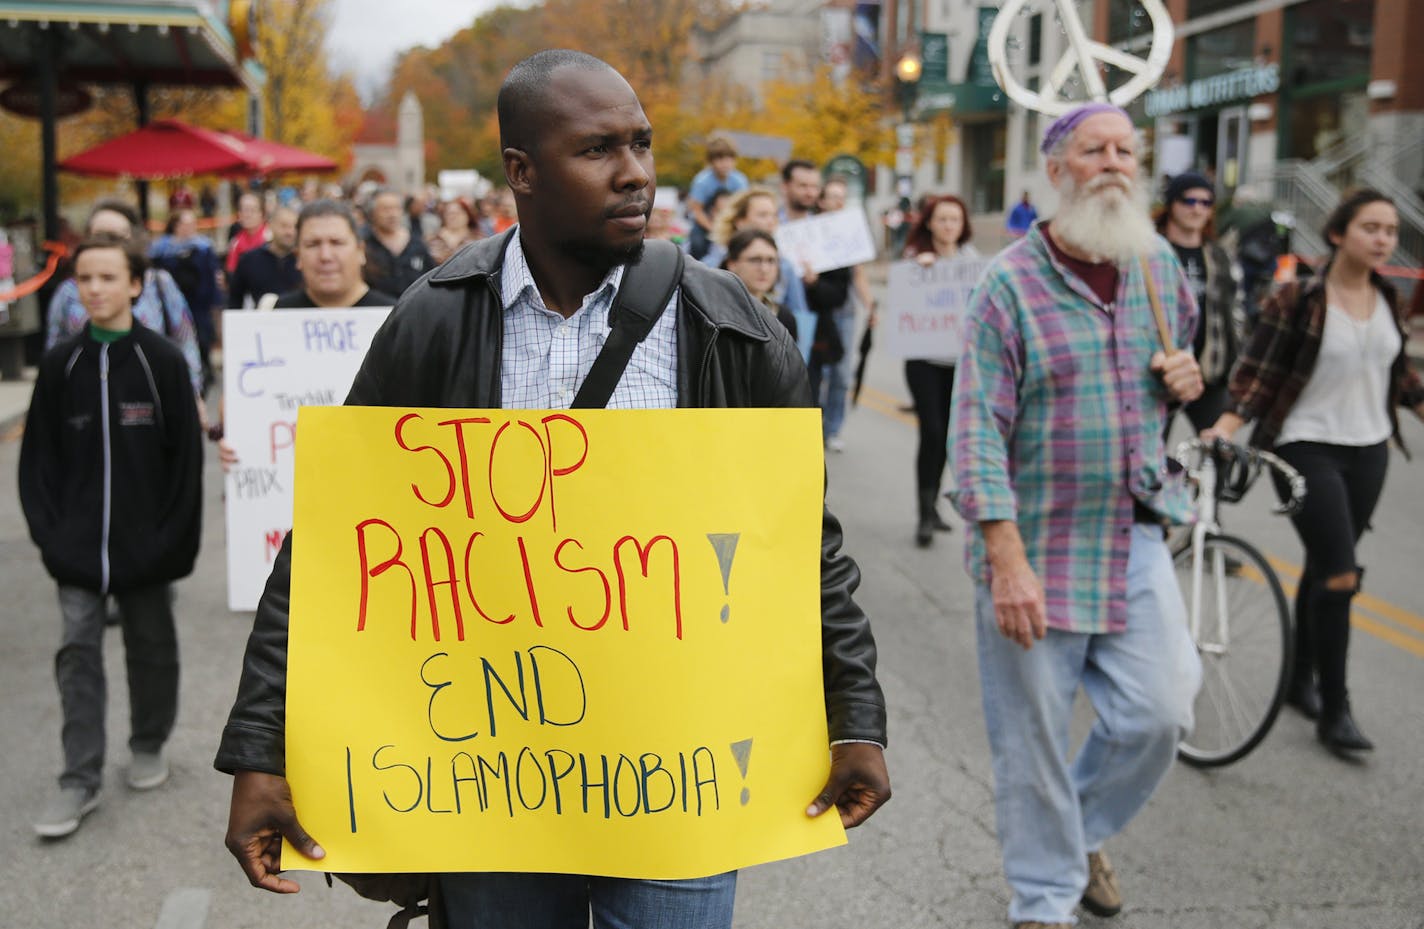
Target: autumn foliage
{"points": [[650, 43]]}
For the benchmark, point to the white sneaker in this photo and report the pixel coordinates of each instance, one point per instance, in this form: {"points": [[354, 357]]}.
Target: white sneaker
{"points": [[836, 444], [62, 814], [148, 770]]}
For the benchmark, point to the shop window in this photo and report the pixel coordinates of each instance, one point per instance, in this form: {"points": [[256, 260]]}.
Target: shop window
{"points": [[1221, 51], [1330, 41], [771, 65], [1031, 138], [1197, 8], [1319, 122], [1127, 19]]}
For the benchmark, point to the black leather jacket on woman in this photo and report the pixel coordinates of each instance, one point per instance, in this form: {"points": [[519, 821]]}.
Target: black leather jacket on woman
{"points": [[441, 346]]}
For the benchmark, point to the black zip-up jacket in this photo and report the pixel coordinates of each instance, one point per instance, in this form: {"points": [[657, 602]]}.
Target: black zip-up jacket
{"points": [[440, 347], [111, 468]]}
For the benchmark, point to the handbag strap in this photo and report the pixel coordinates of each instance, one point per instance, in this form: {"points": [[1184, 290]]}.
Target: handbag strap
{"points": [[1164, 332], [647, 286]]}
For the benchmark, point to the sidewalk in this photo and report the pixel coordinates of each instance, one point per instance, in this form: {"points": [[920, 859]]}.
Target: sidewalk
{"points": [[15, 402]]}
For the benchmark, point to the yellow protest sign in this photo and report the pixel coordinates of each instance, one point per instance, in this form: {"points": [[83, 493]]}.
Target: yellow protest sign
{"points": [[582, 642]]}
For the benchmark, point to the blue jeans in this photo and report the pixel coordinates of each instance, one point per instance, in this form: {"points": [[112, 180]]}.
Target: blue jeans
{"points": [[565, 901], [1051, 812], [836, 377]]}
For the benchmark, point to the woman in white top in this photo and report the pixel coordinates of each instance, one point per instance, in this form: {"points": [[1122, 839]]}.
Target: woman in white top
{"points": [[940, 233], [1323, 374]]}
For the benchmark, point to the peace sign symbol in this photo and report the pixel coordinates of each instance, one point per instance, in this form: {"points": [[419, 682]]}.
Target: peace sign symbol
{"points": [[1082, 55]]}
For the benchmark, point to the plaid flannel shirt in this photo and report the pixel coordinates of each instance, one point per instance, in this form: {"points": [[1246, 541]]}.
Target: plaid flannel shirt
{"points": [[1057, 422]]}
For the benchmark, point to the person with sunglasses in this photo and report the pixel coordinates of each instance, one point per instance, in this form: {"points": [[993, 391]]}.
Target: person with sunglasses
{"points": [[1187, 220]]}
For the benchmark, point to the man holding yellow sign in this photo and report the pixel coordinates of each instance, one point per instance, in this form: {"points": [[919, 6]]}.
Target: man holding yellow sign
{"points": [[564, 666]]}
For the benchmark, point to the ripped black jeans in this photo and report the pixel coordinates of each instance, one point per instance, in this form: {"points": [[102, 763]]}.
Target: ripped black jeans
{"points": [[1343, 485]]}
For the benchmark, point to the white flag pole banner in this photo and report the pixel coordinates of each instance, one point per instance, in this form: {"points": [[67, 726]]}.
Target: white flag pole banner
{"points": [[828, 240], [925, 308], [274, 363]]}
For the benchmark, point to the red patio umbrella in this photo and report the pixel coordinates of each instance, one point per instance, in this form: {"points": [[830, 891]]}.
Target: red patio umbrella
{"points": [[162, 149], [275, 157]]}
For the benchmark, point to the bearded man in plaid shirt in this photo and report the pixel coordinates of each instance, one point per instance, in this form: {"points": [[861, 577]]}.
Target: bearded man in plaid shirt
{"points": [[1059, 406]]}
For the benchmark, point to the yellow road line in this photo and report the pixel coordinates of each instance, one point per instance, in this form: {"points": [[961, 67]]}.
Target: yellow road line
{"points": [[1381, 608], [888, 405], [885, 404], [1388, 633]]}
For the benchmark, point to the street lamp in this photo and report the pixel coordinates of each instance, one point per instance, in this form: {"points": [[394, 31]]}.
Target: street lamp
{"points": [[907, 72], [907, 75]]}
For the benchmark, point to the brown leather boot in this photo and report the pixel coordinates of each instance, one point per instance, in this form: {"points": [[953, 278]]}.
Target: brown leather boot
{"points": [[1102, 896]]}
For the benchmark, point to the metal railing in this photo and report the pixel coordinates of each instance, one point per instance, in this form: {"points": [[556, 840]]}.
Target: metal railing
{"points": [[1298, 187]]}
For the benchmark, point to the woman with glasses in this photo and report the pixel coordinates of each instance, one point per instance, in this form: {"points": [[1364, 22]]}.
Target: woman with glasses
{"points": [[752, 256], [1187, 221]]}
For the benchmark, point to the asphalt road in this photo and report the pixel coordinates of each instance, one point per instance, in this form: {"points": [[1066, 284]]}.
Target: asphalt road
{"points": [[1290, 837]]}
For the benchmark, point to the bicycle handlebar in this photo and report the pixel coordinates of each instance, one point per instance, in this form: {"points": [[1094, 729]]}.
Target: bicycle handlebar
{"points": [[1238, 466]]}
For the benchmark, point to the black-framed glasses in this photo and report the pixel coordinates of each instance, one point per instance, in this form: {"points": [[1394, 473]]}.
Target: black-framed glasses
{"points": [[1198, 201]]}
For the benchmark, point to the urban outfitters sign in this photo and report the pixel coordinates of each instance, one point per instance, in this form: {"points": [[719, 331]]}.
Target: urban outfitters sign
{"points": [[1242, 84]]}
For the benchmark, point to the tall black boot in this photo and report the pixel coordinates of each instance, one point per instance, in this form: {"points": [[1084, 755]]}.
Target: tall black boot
{"points": [[1336, 727], [925, 526], [1301, 690], [939, 524]]}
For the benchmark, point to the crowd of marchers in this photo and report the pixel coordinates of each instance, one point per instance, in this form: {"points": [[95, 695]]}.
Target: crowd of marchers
{"points": [[1084, 338]]}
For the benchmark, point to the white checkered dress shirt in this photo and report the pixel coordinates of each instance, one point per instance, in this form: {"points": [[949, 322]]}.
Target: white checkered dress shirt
{"points": [[547, 357]]}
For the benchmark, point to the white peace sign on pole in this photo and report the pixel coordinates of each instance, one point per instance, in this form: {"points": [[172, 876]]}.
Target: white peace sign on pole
{"points": [[1082, 55]]}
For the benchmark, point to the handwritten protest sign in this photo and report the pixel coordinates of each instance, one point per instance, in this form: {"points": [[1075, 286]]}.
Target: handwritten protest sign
{"points": [[826, 241], [274, 363], [926, 307], [581, 642]]}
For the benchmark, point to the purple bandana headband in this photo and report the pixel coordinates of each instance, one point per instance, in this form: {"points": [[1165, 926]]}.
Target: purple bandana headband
{"points": [[1069, 121]]}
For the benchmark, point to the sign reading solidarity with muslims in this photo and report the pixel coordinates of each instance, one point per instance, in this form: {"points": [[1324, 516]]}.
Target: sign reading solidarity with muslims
{"points": [[568, 641], [927, 305], [275, 363], [828, 240]]}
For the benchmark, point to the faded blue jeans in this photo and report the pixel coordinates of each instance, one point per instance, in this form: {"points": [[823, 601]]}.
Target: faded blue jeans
{"points": [[565, 901], [1142, 682], [836, 377]]}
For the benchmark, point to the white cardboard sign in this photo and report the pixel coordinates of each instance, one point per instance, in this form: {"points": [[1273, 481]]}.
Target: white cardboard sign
{"points": [[273, 363], [925, 308], [828, 240]]}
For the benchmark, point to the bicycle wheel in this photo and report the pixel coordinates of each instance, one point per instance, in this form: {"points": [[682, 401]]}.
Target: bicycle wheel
{"points": [[1245, 641]]}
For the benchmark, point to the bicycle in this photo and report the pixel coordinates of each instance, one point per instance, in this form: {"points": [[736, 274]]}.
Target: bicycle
{"points": [[1236, 608]]}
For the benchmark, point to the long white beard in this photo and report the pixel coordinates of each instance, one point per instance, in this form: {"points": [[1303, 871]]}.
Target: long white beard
{"points": [[1106, 218]]}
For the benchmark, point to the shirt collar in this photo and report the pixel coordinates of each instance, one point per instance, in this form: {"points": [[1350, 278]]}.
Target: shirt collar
{"points": [[519, 292]]}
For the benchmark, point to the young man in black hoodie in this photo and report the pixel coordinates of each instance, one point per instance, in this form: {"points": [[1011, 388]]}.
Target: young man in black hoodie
{"points": [[111, 484]]}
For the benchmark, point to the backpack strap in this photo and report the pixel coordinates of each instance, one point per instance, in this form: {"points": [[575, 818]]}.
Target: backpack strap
{"points": [[647, 286]]}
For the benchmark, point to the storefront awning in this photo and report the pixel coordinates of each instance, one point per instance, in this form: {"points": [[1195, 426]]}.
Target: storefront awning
{"points": [[962, 100], [183, 42]]}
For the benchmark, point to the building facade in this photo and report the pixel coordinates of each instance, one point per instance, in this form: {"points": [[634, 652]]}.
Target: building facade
{"points": [[398, 163], [1289, 101], [760, 43]]}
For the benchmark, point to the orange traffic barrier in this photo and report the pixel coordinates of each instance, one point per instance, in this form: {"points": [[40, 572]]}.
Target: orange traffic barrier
{"points": [[56, 252]]}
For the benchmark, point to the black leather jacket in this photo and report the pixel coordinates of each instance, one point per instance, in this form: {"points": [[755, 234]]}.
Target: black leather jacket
{"points": [[440, 347]]}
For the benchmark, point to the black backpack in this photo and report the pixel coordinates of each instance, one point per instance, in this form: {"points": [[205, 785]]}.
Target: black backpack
{"points": [[185, 271]]}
